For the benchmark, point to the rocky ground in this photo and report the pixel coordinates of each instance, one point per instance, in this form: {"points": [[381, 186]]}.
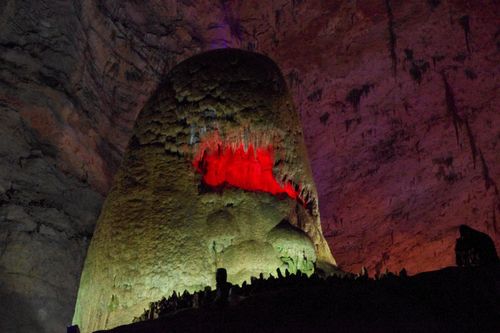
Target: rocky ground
{"points": [[398, 100]]}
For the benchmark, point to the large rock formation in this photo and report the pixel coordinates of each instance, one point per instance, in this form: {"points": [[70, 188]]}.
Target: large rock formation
{"points": [[398, 102], [168, 224]]}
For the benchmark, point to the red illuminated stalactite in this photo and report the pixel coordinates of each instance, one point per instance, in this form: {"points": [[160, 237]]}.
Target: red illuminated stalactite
{"points": [[250, 170]]}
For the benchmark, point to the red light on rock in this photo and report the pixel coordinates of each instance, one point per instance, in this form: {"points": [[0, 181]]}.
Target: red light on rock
{"points": [[250, 169]]}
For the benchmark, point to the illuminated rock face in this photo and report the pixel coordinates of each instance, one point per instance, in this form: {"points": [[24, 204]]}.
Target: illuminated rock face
{"points": [[216, 175]]}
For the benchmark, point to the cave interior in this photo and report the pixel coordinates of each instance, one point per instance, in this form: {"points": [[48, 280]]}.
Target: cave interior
{"points": [[338, 159]]}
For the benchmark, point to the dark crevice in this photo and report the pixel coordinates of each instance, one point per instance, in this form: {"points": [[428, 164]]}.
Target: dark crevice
{"points": [[293, 79], [494, 219], [133, 75], [446, 171], [488, 181], [472, 141], [436, 59], [354, 96], [392, 36], [315, 96], [277, 18], [457, 120], [417, 67], [233, 22], [470, 74], [465, 23], [451, 106], [349, 122], [324, 118], [434, 3], [460, 57]]}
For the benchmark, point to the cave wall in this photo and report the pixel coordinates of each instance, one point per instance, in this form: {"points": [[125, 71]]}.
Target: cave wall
{"points": [[73, 76], [398, 101], [400, 109]]}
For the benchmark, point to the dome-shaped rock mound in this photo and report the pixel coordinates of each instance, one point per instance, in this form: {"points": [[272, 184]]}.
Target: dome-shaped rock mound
{"points": [[216, 162]]}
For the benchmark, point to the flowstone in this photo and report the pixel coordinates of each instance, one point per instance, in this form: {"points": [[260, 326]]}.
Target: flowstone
{"points": [[215, 175]]}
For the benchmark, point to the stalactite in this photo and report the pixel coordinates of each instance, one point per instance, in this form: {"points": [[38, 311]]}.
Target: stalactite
{"points": [[494, 219], [488, 181], [464, 22], [472, 141], [451, 106], [392, 36]]}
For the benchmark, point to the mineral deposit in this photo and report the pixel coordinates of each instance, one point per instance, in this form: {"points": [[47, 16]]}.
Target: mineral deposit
{"points": [[215, 175]]}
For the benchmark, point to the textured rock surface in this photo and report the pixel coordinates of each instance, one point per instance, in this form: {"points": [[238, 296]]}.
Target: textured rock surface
{"points": [[380, 86], [46, 220], [400, 109], [159, 228], [73, 76]]}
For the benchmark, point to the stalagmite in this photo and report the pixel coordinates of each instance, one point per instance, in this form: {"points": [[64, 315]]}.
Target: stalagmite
{"points": [[215, 175]]}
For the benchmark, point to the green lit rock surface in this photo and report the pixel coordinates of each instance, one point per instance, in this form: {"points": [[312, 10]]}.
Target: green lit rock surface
{"points": [[162, 230], [295, 248]]}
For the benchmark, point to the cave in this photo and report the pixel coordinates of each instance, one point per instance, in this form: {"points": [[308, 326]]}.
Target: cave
{"points": [[215, 165]]}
